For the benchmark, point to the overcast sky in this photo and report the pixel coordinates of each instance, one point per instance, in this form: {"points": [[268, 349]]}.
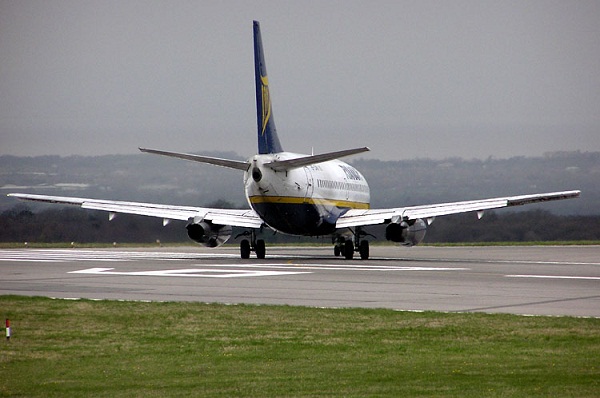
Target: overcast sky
{"points": [[408, 78]]}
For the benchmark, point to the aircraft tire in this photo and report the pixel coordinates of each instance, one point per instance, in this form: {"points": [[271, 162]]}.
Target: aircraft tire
{"points": [[337, 251], [245, 249], [364, 250], [260, 249], [349, 250]]}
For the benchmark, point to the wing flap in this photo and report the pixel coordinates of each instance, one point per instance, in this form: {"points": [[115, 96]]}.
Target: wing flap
{"points": [[356, 217], [444, 209], [48, 199], [144, 209], [238, 218], [536, 198]]}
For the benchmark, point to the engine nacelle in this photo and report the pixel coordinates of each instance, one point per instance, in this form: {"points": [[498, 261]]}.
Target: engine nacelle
{"points": [[406, 233], [209, 234]]}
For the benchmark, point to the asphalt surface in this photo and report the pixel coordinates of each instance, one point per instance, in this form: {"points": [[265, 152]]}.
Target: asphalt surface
{"points": [[540, 280]]}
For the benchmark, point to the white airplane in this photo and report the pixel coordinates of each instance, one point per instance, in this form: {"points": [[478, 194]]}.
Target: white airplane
{"points": [[310, 195]]}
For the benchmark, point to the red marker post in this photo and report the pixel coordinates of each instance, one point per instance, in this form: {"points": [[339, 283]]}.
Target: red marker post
{"points": [[7, 329]]}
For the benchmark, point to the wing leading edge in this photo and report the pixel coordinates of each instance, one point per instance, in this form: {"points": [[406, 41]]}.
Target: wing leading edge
{"points": [[234, 217], [356, 218]]}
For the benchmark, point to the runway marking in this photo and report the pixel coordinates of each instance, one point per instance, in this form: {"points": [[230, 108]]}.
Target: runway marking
{"points": [[555, 277], [252, 270], [69, 255], [112, 255], [336, 267], [190, 273], [65, 255]]}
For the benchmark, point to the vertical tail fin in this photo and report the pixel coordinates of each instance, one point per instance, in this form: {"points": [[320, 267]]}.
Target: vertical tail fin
{"points": [[268, 142]]}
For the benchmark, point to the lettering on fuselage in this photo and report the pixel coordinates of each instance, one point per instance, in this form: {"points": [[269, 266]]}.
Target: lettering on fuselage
{"points": [[351, 172]]}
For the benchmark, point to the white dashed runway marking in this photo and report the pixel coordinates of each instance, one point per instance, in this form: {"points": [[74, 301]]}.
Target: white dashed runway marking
{"points": [[592, 278]]}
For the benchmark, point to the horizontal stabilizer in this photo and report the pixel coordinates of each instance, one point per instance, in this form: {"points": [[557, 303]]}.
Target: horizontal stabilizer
{"points": [[232, 164], [313, 159]]}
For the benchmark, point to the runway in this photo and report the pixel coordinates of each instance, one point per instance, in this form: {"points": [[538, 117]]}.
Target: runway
{"points": [[539, 280]]}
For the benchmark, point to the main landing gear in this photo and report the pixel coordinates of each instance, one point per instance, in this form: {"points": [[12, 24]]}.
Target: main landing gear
{"points": [[252, 245], [347, 247], [342, 245]]}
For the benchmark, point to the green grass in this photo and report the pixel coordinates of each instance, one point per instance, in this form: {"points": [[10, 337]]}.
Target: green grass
{"points": [[132, 349]]}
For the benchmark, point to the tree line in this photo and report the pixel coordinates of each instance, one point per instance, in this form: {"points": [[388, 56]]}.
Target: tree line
{"points": [[72, 224]]}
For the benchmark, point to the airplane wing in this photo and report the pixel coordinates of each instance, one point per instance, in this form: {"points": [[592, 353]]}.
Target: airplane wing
{"points": [[357, 217], [234, 217]]}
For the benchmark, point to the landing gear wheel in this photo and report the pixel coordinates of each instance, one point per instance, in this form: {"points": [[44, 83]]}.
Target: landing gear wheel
{"points": [[349, 250], [337, 251], [260, 249], [363, 249], [245, 249]]}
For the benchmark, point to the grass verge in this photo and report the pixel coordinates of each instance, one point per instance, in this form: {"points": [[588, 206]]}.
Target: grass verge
{"points": [[111, 349]]}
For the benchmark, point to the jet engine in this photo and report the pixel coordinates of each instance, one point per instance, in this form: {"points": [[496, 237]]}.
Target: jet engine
{"points": [[407, 233], [208, 234]]}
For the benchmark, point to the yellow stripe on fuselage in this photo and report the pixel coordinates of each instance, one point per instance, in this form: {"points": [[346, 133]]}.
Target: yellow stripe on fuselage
{"points": [[312, 201]]}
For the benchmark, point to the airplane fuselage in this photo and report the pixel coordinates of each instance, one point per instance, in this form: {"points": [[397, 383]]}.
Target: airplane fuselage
{"points": [[304, 200]]}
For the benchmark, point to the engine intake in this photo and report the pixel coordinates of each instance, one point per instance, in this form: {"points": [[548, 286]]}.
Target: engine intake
{"points": [[407, 233], [209, 234]]}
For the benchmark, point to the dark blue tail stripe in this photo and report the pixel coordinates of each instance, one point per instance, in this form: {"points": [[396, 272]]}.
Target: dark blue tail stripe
{"points": [[268, 142]]}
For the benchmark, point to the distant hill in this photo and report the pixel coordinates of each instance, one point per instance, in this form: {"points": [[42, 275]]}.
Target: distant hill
{"points": [[393, 183]]}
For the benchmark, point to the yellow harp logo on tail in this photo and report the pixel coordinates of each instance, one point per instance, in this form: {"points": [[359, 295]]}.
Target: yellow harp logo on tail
{"points": [[266, 103]]}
